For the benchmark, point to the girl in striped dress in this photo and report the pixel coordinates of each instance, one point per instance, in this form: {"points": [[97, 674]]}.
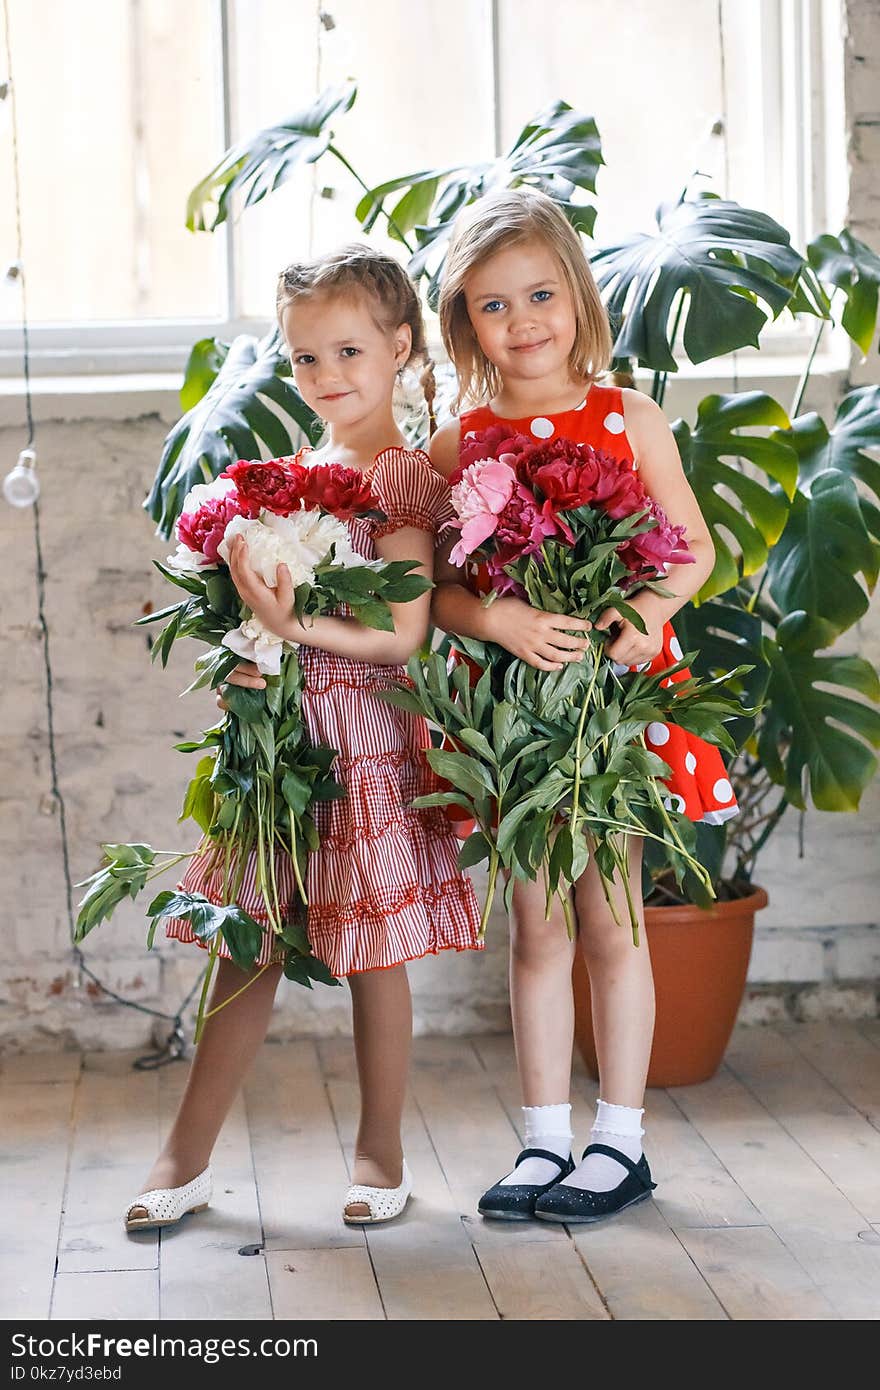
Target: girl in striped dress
{"points": [[384, 886]]}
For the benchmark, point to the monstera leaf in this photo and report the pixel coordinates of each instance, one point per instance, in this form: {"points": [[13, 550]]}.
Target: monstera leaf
{"points": [[759, 520], [725, 635], [558, 151], [268, 159], [721, 258], [813, 737], [856, 428], [229, 420], [825, 544], [851, 266]]}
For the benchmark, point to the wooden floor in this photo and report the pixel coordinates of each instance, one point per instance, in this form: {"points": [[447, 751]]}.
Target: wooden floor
{"points": [[768, 1204]]}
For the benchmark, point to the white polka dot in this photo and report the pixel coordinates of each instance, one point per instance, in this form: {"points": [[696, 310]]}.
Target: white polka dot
{"points": [[471, 434], [722, 790], [675, 648], [690, 762], [665, 684], [582, 404], [674, 802], [614, 423], [542, 428], [657, 733], [619, 668], [642, 666]]}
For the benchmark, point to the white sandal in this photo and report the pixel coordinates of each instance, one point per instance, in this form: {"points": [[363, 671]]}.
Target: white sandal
{"points": [[383, 1203], [162, 1206]]}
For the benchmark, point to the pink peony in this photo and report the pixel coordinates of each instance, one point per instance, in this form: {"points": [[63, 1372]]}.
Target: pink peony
{"points": [[651, 551], [481, 493], [522, 527]]}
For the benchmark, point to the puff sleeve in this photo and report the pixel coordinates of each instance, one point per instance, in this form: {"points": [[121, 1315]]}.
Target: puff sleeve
{"points": [[411, 492]]}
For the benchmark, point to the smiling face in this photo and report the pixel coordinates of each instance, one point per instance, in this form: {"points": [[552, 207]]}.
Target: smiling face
{"points": [[522, 312], [344, 363]]}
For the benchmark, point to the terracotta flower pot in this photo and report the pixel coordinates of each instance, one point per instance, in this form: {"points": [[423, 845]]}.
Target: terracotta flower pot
{"points": [[700, 960]]}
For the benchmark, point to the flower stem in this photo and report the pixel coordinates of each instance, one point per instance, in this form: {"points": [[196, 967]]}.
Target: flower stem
{"points": [[494, 861]]}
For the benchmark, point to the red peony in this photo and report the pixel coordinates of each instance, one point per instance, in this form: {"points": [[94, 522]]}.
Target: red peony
{"points": [[276, 486], [343, 491], [618, 489], [496, 442], [523, 526], [203, 530]]}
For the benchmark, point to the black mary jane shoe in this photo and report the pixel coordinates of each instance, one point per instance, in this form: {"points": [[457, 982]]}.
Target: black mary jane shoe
{"points": [[516, 1201], [575, 1205]]}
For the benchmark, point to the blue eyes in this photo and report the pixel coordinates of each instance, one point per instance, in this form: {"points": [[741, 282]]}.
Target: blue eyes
{"points": [[538, 297]]}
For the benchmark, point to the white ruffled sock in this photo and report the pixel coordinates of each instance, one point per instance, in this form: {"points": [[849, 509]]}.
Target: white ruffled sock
{"points": [[620, 1128], [546, 1127]]}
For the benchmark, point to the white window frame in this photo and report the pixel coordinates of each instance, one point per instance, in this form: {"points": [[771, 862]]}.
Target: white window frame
{"points": [[801, 124]]}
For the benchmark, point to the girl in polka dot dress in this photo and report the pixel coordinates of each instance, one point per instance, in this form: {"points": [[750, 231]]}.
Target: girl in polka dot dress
{"points": [[384, 886], [525, 327]]}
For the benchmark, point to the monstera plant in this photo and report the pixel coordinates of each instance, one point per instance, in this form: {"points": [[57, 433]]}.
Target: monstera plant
{"points": [[792, 500]]}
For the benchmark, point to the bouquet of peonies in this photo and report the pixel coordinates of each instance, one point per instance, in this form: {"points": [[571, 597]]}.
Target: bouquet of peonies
{"points": [[254, 787], [552, 767]]}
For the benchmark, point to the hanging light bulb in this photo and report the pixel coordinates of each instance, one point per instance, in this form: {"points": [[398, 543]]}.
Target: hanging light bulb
{"points": [[21, 487]]}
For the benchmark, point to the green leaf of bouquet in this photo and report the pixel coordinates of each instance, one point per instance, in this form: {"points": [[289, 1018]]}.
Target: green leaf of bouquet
{"points": [[726, 261], [295, 969], [466, 774], [812, 736], [851, 266], [375, 614], [248, 705], [475, 848], [825, 544], [242, 934], [296, 792], [261, 163], [317, 970], [477, 743]]}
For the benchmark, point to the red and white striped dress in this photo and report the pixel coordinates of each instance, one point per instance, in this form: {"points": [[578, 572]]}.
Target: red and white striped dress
{"points": [[384, 887]]}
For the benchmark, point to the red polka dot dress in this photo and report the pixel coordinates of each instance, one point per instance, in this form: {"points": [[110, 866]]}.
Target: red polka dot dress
{"points": [[699, 786], [384, 887]]}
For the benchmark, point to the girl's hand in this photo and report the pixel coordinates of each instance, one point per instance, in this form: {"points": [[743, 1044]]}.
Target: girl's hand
{"points": [[629, 646], [541, 639], [273, 607], [245, 674]]}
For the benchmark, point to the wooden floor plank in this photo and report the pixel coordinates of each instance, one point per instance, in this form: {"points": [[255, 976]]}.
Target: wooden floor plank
{"points": [[424, 1262], [540, 1281], [642, 1271], [811, 1216], [28, 1068], [116, 1137], [301, 1171], [37, 1133], [754, 1276], [114, 1296], [844, 1056], [472, 1133], [335, 1284], [835, 1135], [201, 1274]]}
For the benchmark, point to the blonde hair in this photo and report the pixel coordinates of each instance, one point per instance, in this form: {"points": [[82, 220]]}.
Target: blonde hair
{"points": [[385, 284], [495, 223]]}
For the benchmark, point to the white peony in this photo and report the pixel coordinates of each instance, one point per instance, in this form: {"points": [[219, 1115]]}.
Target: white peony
{"points": [[186, 561], [300, 541], [254, 642]]}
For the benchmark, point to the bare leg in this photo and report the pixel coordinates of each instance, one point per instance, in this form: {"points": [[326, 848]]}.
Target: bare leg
{"points": [[541, 1000], [229, 1043], [621, 984], [382, 1015]]}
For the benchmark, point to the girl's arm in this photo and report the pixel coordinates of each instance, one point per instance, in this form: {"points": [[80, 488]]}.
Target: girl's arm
{"points": [[656, 453], [343, 636], [541, 639]]}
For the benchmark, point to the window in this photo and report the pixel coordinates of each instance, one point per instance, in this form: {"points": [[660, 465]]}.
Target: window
{"points": [[127, 103]]}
